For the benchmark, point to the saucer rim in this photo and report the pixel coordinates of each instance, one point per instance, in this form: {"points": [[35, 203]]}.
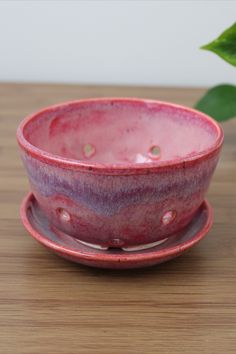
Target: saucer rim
{"points": [[124, 257]]}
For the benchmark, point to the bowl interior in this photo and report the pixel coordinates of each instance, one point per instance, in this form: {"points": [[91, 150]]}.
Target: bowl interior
{"points": [[121, 131]]}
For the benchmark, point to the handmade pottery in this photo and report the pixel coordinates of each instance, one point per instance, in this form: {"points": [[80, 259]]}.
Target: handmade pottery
{"points": [[70, 248], [119, 173]]}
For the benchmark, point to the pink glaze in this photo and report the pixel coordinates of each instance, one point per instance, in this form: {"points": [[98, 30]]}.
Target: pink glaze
{"points": [[120, 131], [91, 168], [68, 247]]}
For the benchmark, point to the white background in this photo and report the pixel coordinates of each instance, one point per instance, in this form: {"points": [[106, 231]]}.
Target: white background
{"points": [[117, 42]]}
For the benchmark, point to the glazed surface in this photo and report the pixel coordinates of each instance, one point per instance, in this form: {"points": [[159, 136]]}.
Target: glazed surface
{"points": [[67, 247], [119, 211], [120, 132], [120, 207]]}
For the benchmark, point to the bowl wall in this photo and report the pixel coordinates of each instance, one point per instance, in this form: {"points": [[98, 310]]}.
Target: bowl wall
{"points": [[119, 210]]}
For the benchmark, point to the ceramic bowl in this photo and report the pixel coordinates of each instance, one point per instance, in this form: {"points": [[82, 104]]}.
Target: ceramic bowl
{"points": [[117, 172]]}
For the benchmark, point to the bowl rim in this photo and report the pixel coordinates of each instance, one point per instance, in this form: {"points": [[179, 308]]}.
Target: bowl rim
{"points": [[117, 168]]}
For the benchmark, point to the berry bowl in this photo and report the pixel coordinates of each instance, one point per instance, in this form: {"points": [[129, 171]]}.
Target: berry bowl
{"points": [[119, 172]]}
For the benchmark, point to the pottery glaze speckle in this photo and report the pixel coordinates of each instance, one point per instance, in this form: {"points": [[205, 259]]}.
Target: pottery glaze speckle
{"points": [[92, 172]]}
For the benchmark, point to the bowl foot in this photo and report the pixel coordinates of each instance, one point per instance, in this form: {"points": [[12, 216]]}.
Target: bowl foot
{"points": [[126, 249]]}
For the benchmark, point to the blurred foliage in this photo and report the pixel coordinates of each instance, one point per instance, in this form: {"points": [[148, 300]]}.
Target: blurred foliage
{"points": [[220, 101]]}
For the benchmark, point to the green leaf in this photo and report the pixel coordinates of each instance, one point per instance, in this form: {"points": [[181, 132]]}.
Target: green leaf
{"points": [[225, 45], [219, 102]]}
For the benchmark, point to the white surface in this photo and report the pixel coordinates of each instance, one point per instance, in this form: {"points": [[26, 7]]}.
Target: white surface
{"points": [[117, 42]]}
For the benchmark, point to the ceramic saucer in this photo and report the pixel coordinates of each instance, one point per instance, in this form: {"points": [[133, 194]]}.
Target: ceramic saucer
{"points": [[67, 247]]}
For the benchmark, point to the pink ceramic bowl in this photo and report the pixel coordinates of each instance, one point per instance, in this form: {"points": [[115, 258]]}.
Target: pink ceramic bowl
{"points": [[119, 172]]}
